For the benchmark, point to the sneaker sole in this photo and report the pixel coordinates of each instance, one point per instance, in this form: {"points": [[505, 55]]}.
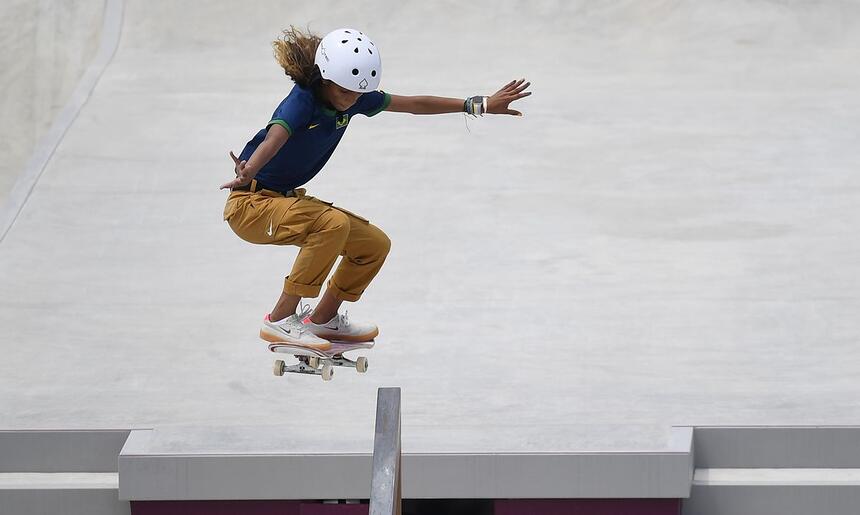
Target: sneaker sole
{"points": [[271, 336]]}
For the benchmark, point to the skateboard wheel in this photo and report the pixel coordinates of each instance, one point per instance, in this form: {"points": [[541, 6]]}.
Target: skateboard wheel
{"points": [[279, 367], [327, 372], [314, 362], [361, 365]]}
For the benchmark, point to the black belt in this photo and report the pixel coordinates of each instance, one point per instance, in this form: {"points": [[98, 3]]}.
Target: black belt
{"points": [[255, 186]]}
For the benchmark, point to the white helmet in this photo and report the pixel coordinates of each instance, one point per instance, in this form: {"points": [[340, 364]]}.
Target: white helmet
{"points": [[349, 59]]}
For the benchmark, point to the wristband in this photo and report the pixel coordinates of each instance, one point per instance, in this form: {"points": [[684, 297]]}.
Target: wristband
{"points": [[475, 106]]}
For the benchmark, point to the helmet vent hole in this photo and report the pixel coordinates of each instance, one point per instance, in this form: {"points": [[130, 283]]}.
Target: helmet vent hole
{"points": [[359, 39], [348, 32], [370, 51], [373, 73], [355, 71], [356, 50], [344, 41]]}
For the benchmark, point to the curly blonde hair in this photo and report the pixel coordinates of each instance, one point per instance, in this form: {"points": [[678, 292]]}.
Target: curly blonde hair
{"points": [[295, 51]]}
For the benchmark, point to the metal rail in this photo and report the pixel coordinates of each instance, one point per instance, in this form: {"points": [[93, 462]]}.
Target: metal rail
{"points": [[385, 482]]}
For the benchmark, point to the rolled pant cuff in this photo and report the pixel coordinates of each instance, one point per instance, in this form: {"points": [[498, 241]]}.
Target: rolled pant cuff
{"points": [[301, 290], [342, 295]]}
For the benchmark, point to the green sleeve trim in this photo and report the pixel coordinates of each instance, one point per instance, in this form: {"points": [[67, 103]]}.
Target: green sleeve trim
{"points": [[385, 101], [282, 124]]}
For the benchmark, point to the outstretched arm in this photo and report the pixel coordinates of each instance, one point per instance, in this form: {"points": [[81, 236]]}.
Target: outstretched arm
{"points": [[496, 104]]}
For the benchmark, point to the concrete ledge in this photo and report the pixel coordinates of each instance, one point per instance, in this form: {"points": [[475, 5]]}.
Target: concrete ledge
{"points": [[65, 501], [777, 447], [60, 451], [150, 470], [608, 475], [244, 477], [788, 499], [775, 470]]}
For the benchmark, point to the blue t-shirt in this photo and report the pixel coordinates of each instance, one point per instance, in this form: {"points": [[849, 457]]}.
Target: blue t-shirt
{"points": [[315, 131]]}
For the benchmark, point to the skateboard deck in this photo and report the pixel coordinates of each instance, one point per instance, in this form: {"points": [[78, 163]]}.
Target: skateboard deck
{"points": [[319, 362]]}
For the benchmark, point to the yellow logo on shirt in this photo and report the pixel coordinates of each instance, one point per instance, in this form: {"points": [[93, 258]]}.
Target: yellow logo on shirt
{"points": [[312, 126], [342, 121]]}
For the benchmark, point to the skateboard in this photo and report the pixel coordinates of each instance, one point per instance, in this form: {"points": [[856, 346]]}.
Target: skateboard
{"points": [[319, 362]]}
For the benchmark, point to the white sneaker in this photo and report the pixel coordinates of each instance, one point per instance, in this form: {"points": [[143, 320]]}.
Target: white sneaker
{"points": [[292, 330], [341, 329]]}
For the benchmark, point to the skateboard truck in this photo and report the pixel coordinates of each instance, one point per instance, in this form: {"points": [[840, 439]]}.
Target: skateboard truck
{"points": [[316, 362]]}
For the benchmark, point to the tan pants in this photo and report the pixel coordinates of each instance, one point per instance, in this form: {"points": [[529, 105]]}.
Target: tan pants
{"points": [[323, 232]]}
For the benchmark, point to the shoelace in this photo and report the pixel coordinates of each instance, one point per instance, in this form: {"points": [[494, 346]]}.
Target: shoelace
{"points": [[342, 320], [306, 310]]}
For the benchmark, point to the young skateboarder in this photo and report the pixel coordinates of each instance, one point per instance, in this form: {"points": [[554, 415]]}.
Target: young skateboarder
{"points": [[336, 78]]}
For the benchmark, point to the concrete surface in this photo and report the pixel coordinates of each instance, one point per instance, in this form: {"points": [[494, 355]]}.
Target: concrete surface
{"points": [[666, 237], [162, 464], [60, 451], [45, 46]]}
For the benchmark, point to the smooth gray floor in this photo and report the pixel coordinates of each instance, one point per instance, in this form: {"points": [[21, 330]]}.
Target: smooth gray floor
{"points": [[668, 236]]}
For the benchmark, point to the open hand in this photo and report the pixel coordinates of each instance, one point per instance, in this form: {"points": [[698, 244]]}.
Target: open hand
{"points": [[242, 176], [514, 90]]}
